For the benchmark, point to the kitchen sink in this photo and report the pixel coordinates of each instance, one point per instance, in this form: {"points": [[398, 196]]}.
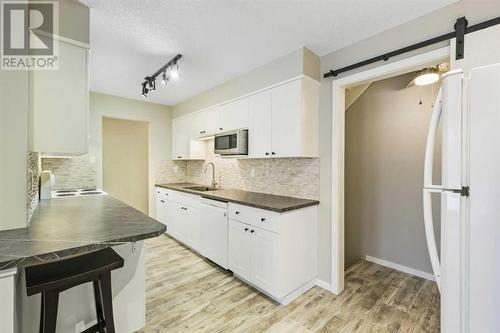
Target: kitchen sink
{"points": [[201, 188]]}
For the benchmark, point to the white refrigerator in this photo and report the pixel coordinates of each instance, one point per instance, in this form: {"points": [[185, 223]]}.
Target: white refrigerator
{"points": [[467, 268]]}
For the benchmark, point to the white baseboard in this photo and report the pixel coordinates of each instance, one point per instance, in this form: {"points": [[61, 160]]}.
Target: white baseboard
{"points": [[324, 284], [404, 269], [297, 292]]}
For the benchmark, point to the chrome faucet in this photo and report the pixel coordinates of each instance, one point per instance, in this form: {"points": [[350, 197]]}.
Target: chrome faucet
{"points": [[214, 183]]}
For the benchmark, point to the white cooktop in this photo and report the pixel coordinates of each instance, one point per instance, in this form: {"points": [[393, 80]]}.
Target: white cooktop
{"points": [[71, 193]]}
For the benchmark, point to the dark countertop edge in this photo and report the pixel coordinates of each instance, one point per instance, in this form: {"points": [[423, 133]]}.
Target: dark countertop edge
{"points": [[22, 261], [309, 202], [277, 210]]}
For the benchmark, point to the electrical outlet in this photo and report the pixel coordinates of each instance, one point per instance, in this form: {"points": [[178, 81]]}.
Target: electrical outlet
{"points": [[252, 172], [176, 169]]}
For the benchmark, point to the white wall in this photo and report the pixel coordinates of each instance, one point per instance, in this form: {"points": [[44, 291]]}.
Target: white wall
{"points": [[428, 26], [158, 117]]}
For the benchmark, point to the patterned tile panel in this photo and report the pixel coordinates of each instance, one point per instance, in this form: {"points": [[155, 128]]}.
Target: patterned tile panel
{"points": [[33, 180]]}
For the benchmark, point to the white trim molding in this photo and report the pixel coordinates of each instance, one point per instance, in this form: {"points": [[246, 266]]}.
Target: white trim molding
{"points": [[401, 268], [323, 284], [338, 144]]}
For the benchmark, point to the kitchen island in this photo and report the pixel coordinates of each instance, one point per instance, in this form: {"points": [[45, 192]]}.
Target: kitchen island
{"points": [[67, 227]]}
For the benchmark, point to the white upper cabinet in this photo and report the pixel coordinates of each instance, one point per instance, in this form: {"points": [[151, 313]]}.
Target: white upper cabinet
{"points": [[180, 138], [58, 104], [259, 131], [284, 121], [184, 144], [234, 115], [208, 122], [281, 121]]}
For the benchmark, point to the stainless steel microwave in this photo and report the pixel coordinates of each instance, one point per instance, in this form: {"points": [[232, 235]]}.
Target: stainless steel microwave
{"points": [[231, 143]]}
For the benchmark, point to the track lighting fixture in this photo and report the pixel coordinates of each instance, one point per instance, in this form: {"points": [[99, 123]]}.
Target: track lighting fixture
{"points": [[169, 71]]}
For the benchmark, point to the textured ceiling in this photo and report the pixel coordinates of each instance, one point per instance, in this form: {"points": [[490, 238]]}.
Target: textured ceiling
{"points": [[225, 38]]}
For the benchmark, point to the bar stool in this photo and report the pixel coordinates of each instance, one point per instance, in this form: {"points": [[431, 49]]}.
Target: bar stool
{"points": [[52, 278]]}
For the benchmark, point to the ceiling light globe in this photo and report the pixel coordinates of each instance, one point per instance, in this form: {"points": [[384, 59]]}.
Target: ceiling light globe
{"points": [[426, 78]]}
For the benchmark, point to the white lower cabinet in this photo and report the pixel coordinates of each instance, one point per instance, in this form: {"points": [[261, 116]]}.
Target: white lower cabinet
{"points": [[265, 254], [254, 255], [181, 214], [274, 252], [239, 248]]}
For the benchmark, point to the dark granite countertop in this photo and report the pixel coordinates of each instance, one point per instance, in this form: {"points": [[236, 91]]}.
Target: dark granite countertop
{"points": [[275, 203], [68, 226]]}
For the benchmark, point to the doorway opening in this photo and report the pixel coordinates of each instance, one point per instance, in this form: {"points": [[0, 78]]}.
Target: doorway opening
{"points": [[343, 253], [386, 127], [125, 161]]}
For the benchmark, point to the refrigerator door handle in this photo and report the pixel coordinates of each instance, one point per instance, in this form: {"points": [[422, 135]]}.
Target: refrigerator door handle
{"points": [[431, 142], [429, 188]]}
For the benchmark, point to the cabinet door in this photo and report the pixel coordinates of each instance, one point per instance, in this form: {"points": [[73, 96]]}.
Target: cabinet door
{"points": [[265, 247], [286, 131], [208, 122], [171, 216], [259, 131], [161, 210], [58, 104], [180, 138], [175, 213], [214, 234], [239, 249], [193, 231], [234, 115]]}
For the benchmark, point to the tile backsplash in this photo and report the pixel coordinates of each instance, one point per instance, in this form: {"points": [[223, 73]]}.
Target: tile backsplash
{"points": [[74, 172], [298, 177], [33, 180]]}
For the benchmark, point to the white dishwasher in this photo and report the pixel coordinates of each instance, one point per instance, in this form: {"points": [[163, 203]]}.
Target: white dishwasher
{"points": [[214, 226]]}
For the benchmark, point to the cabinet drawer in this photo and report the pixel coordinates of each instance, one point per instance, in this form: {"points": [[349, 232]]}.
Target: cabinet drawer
{"points": [[256, 217], [161, 193], [184, 199]]}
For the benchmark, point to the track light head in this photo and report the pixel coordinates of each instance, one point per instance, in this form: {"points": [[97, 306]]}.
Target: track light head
{"points": [[151, 83], [174, 71], [164, 77], [144, 90]]}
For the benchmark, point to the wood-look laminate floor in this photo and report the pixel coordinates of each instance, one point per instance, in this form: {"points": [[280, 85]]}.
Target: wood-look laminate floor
{"points": [[186, 293]]}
